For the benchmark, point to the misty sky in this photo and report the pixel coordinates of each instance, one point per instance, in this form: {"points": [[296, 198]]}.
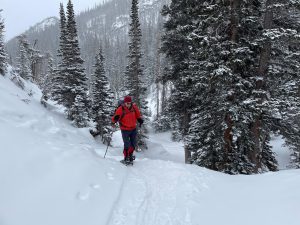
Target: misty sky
{"points": [[19, 15]]}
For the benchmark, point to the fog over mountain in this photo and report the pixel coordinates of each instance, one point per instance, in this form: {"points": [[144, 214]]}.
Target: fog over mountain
{"points": [[105, 25], [34, 12]]}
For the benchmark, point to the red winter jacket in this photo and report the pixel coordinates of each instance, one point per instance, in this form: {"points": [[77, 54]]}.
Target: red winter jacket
{"points": [[127, 117]]}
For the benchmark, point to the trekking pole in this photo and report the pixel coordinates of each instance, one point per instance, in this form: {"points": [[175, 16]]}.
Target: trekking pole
{"points": [[139, 134], [108, 143], [106, 149]]}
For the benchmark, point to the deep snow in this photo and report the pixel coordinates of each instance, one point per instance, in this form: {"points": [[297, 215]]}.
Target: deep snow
{"points": [[54, 174]]}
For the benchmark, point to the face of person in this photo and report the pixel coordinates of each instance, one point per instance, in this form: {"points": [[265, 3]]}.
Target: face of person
{"points": [[127, 104]]}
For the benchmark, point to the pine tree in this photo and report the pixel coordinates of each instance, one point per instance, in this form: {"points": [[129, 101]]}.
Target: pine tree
{"points": [[59, 79], [134, 73], [134, 70], [282, 67], [176, 46], [76, 97], [23, 60], [70, 82], [161, 122], [47, 82], [214, 51], [102, 100], [3, 56], [35, 58]]}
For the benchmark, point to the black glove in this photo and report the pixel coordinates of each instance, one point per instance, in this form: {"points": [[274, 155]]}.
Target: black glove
{"points": [[141, 121], [116, 118]]}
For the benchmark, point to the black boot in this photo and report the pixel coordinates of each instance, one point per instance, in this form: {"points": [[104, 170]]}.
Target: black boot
{"points": [[127, 159], [131, 157]]}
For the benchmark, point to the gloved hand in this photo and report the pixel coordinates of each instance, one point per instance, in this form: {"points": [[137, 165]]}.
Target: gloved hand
{"points": [[116, 118], [141, 121]]}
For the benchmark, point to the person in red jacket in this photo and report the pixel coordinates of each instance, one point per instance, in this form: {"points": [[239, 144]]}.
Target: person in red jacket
{"points": [[127, 115]]}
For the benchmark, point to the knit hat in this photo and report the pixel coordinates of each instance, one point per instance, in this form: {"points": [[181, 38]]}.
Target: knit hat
{"points": [[127, 99]]}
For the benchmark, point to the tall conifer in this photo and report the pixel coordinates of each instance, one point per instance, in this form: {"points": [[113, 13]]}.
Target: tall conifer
{"points": [[135, 83], [76, 96], [102, 99], [280, 63], [3, 56], [59, 79], [23, 67], [70, 81]]}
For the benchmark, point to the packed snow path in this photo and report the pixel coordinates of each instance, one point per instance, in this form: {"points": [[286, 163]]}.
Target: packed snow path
{"points": [[152, 195], [54, 174]]}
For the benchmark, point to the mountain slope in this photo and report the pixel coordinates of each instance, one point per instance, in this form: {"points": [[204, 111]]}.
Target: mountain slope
{"points": [[53, 173], [106, 25]]}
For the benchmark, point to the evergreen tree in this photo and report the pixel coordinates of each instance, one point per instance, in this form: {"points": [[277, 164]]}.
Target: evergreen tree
{"points": [[176, 46], [70, 82], [77, 90], [281, 64], [102, 100], [59, 79], [28, 60], [214, 49], [35, 58], [47, 82], [3, 56], [134, 73], [23, 60]]}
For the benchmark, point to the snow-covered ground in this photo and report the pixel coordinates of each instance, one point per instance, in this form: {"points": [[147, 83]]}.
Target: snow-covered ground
{"points": [[54, 174]]}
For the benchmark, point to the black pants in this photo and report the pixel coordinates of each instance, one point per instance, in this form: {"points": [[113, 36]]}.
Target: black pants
{"points": [[129, 139]]}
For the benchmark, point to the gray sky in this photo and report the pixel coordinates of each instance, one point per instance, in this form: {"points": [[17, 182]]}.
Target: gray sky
{"points": [[19, 15]]}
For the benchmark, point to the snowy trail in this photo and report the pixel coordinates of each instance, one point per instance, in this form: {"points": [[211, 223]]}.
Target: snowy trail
{"points": [[151, 195], [149, 184], [117, 199]]}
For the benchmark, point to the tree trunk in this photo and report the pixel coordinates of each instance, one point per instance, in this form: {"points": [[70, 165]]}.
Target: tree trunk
{"points": [[266, 50], [234, 22], [163, 96], [187, 152], [264, 61], [157, 75]]}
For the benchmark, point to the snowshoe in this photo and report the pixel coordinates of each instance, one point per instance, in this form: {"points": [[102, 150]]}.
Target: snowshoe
{"points": [[126, 163]]}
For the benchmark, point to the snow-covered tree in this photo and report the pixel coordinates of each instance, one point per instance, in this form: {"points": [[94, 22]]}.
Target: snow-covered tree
{"points": [[59, 78], [175, 45], [70, 87], [134, 78], [47, 81], [214, 51], [36, 59], [77, 90], [134, 72], [102, 100], [23, 59], [3, 56], [281, 64]]}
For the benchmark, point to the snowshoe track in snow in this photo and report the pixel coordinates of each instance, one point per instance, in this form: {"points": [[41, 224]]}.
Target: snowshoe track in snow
{"points": [[148, 195]]}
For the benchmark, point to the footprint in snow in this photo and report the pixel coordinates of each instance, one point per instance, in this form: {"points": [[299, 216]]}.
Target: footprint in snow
{"points": [[83, 195], [110, 176], [95, 186]]}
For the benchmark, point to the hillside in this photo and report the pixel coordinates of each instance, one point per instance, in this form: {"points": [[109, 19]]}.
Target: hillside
{"points": [[53, 173], [105, 25]]}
